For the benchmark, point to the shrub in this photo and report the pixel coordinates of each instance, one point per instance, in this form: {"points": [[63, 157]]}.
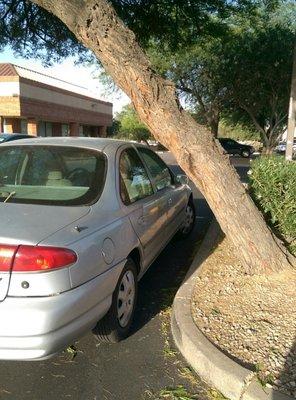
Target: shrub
{"points": [[273, 188], [237, 131]]}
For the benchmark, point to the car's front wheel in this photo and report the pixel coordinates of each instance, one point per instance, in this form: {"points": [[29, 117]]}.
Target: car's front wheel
{"points": [[116, 324]]}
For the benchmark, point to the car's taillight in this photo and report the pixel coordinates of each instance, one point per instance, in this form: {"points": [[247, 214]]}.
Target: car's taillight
{"points": [[7, 254], [34, 258]]}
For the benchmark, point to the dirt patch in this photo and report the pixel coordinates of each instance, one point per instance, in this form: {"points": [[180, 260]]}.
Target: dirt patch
{"points": [[251, 318]]}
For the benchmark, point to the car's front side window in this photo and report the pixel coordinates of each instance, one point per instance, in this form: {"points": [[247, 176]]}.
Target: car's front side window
{"points": [[134, 181], [157, 168]]}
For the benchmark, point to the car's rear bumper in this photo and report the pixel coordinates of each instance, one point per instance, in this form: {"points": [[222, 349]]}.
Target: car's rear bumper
{"points": [[38, 327]]}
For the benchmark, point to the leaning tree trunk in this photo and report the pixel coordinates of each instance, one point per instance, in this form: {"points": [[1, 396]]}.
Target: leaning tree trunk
{"points": [[97, 26]]}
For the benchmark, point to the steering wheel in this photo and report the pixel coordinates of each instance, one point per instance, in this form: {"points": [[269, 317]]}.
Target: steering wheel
{"points": [[79, 176]]}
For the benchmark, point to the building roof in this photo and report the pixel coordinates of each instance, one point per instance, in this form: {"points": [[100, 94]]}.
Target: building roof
{"points": [[8, 69]]}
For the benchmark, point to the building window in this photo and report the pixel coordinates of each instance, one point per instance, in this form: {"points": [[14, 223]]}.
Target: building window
{"points": [[44, 128], [24, 126], [65, 130]]}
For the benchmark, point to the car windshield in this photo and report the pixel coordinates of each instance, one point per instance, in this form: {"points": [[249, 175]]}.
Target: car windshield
{"points": [[52, 175]]}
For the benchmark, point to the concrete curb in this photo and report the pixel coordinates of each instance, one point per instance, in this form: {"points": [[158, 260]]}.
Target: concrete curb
{"points": [[230, 378]]}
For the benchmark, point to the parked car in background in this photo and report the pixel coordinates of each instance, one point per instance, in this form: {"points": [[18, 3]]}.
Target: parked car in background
{"points": [[8, 137], [81, 221], [155, 145], [233, 147], [281, 147]]}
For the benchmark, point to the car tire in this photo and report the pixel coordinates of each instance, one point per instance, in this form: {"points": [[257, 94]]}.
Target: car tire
{"points": [[115, 325], [189, 222], [246, 153]]}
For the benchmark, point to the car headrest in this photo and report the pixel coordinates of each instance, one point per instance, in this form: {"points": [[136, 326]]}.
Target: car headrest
{"points": [[55, 175]]}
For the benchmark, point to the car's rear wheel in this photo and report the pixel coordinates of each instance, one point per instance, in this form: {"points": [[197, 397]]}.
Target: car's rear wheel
{"points": [[246, 153], [116, 324], [189, 221]]}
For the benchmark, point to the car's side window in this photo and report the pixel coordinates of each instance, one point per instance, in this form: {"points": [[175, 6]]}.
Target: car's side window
{"points": [[134, 181], [157, 168]]}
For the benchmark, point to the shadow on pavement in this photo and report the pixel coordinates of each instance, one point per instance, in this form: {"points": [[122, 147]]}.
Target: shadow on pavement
{"points": [[161, 282]]}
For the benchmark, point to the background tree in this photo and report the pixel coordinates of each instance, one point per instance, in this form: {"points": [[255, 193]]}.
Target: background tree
{"points": [[97, 26], [130, 127], [240, 72], [114, 128], [196, 73], [260, 62], [240, 132]]}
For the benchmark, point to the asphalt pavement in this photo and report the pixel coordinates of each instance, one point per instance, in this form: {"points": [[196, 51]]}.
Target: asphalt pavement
{"points": [[137, 368]]}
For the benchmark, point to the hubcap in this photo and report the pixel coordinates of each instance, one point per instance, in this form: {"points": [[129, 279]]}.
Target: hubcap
{"points": [[189, 219], [126, 299]]}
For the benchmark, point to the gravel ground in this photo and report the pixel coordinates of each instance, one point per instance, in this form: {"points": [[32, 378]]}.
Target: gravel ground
{"points": [[251, 318]]}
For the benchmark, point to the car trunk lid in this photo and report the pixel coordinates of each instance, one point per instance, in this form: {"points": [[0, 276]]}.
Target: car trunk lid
{"points": [[29, 225]]}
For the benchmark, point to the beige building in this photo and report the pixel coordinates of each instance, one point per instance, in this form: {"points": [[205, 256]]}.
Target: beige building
{"points": [[41, 105]]}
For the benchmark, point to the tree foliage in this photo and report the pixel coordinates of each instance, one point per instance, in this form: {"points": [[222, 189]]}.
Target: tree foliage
{"points": [[178, 23], [259, 78], [225, 57], [238, 131], [33, 32], [273, 188], [129, 125], [197, 74], [242, 74]]}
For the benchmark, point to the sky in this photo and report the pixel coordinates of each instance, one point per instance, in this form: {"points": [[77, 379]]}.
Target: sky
{"points": [[69, 72]]}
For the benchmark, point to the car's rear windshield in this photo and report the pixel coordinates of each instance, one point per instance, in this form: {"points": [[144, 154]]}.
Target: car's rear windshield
{"points": [[52, 175]]}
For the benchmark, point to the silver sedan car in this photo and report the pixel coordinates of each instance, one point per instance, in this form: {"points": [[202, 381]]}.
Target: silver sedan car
{"points": [[81, 221]]}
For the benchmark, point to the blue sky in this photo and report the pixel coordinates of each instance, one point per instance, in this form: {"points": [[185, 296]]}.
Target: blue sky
{"points": [[67, 71]]}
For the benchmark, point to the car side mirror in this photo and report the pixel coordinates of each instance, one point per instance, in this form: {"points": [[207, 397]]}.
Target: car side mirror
{"points": [[182, 179]]}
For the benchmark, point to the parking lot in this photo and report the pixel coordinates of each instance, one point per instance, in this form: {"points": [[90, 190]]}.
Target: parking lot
{"points": [[141, 365]]}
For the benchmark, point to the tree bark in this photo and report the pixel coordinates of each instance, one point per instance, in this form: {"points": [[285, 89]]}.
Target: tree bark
{"points": [[213, 120], [97, 26], [267, 150], [272, 140], [214, 128]]}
